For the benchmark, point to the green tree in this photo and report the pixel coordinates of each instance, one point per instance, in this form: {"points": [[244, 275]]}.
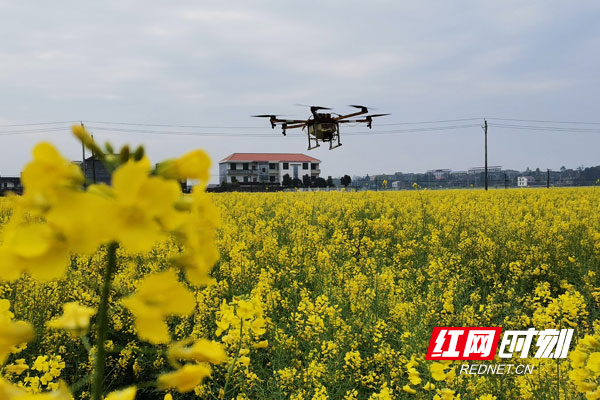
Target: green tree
{"points": [[320, 182], [287, 181], [306, 181], [346, 180], [330, 182]]}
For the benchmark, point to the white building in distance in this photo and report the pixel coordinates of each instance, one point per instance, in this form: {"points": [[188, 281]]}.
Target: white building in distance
{"points": [[524, 181], [267, 167]]}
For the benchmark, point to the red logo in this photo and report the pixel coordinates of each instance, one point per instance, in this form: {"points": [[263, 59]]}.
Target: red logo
{"points": [[463, 343]]}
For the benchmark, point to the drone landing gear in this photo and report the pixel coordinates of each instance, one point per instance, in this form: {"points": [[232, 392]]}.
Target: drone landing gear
{"points": [[335, 136], [310, 142], [332, 138]]}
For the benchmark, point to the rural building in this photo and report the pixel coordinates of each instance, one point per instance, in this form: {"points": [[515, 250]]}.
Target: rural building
{"points": [[478, 170], [440, 174], [94, 171], [524, 181], [10, 184], [267, 167]]}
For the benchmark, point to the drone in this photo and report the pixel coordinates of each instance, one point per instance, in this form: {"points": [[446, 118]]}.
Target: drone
{"points": [[324, 127]]}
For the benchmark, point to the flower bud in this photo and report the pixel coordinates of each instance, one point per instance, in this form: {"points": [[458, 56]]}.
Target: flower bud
{"points": [[124, 154], [138, 154], [85, 138]]}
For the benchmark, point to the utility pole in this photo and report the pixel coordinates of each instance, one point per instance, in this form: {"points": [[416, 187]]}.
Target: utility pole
{"points": [[485, 129], [505, 181], [548, 179], [83, 149], [93, 164], [82, 152]]}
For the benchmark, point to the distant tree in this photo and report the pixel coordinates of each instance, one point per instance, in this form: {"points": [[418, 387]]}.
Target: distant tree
{"points": [[287, 181], [234, 180], [296, 183], [320, 182], [330, 182], [306, 181], [590, 175], [346, 180]]}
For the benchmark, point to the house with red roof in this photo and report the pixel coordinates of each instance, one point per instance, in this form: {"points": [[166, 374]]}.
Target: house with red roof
{"points": [[267, 167]]}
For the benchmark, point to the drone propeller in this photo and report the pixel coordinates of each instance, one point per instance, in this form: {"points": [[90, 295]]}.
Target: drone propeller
{"points": [[313, 108], [271, 117], [361, 107], [369, 119]]}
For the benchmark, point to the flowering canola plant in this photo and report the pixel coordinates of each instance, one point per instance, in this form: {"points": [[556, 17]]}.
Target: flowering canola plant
{"points": [[59, 217], [314, 295]]}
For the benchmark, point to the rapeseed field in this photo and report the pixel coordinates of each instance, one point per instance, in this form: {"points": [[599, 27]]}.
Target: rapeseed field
{"points": [[314, 295]]}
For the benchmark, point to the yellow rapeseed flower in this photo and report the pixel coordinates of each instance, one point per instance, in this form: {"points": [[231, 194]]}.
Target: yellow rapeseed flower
{"points": [[125, 394], [48, 173], [593, 362], [193, 165], [79, 218], [10, 391], [408, 389], [61, 393], [12, 333], [140, 206], [261, 345], [17, 368], [200, 350], [75, 319], [437, 371], [34, 249], [184, 379], [197, 232], [158, 296]]}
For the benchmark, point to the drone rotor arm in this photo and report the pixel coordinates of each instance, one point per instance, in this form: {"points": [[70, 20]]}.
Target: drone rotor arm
{"points": [[297, 124], [349, 121], [289, 121], [363, 110]]}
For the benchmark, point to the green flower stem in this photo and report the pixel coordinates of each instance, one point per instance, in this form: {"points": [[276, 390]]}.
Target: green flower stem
{"points": [[102, 321], [237, 355]]}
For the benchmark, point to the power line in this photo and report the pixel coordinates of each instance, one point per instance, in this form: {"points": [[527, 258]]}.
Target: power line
{"points": [[547, 121], [430, 129], [231, 134], [43, 128], [28, 131], [38, 123], [547, 128], [432, 122], [260, 127], [173, 125]]}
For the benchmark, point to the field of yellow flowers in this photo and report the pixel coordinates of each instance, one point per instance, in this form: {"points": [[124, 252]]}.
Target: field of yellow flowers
{"points": [[333, 296]]}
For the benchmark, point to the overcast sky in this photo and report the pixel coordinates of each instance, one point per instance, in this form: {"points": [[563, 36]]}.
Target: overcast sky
{"points": [[216, 63]]}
